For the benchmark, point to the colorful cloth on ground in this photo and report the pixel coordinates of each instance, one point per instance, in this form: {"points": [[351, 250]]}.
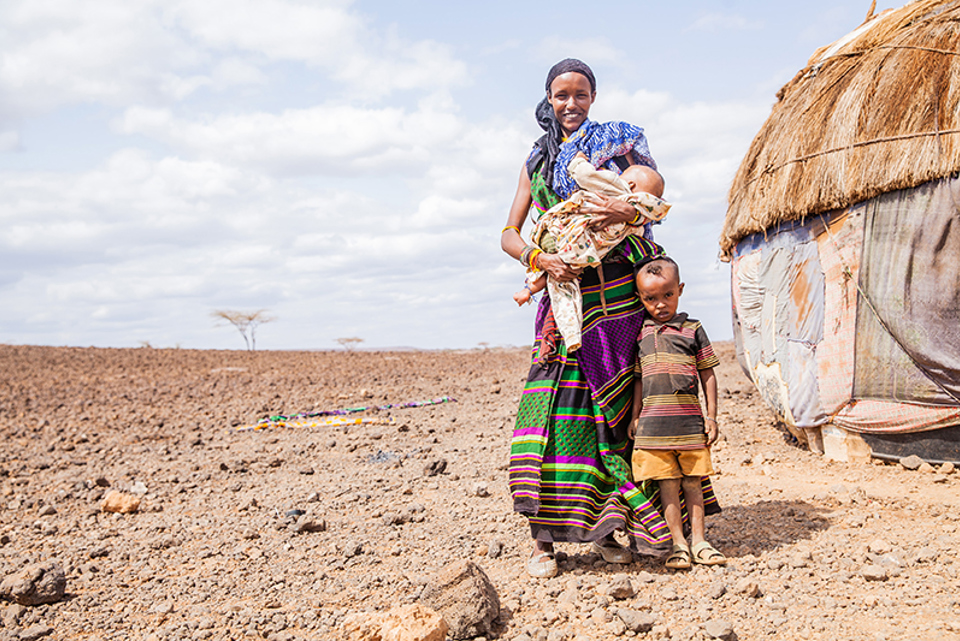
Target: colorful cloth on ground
{"points": [[578, 245], [281, 420], [671, 356], [338, 421], [601, 142]]}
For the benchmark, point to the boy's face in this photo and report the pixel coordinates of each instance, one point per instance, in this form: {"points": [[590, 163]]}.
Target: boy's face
{"points": [[660, 295]]}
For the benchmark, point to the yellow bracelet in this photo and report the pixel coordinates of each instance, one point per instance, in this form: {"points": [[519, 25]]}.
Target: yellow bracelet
{"points": [[512, 227], [534, 255]]}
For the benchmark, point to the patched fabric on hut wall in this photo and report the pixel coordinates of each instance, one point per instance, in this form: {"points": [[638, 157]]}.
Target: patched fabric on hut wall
{"points": [[808, 302], [908, 329], [840, 242], [778, 299]]}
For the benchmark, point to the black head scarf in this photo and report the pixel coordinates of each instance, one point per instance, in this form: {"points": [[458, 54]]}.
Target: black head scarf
{"points": [[549, 143]]}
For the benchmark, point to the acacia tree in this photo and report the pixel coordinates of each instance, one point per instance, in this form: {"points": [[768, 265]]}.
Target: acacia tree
{"points": [[245, 322], [349, 343]]}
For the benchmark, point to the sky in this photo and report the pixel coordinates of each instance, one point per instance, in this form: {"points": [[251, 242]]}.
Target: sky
{"points": [[345, 165]]}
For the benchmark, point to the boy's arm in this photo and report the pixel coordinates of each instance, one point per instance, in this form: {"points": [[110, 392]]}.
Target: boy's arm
{"points": [[637, 406], [709, 381]]}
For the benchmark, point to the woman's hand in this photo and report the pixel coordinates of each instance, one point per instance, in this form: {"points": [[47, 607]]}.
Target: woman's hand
{"points": [[557, 269], [607, 211]]}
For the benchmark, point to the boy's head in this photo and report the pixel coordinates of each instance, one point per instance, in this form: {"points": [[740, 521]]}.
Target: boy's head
{"points": [[659, 286], [643, 179]]}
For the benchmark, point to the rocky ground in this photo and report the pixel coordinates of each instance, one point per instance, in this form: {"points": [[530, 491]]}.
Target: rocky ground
{"points": [[819, 550]]}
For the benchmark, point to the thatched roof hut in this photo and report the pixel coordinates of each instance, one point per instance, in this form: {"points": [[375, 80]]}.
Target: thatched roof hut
{"points": [[843, 233], [876, 111]]}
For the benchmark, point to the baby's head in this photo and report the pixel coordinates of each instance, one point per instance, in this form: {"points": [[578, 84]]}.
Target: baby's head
{"points": [[643, 179], [659, 286]]}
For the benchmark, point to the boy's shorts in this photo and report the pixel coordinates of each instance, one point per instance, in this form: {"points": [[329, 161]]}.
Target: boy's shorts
{"points": [[658, 465]]}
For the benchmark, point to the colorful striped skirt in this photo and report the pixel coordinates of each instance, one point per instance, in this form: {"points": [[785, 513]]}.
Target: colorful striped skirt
{"points": [[570, 456]]}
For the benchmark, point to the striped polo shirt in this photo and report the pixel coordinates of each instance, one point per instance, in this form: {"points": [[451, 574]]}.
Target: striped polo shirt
{"points": [[670, 358]]}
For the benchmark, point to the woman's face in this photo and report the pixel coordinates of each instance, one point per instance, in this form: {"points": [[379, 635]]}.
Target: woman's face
{"points": [[571, 97]]}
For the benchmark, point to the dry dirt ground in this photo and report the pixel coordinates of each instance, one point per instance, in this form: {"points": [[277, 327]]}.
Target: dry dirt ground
{"points": [[818, 550]]}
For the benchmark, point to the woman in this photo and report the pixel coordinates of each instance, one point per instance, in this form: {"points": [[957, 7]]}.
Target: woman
{"points": [[569, 459]]}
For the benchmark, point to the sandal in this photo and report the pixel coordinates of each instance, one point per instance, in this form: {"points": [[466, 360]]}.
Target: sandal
{"points": [[542, 565], [679, 558], [611, 551], [706, 554]]}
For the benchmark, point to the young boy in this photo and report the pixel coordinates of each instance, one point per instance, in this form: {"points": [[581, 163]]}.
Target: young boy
{"points": [[564, 230], [671, 436]]}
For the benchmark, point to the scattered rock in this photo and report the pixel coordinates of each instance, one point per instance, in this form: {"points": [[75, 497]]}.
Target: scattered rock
{"points": [[463, 594], [120, 502], [947, 468], [719, 629], [874, 573], [352, 548], [912, 462], [926, 468], [435, 467], [481, 490], [620, 588], [748, 588], [879, 546], [35, 584], [716, 590], [412, 622], [35, 632], [309, 523], [639, 622]]}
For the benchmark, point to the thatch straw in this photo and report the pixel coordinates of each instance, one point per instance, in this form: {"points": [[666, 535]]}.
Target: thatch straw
{"points": [[876, 111]]}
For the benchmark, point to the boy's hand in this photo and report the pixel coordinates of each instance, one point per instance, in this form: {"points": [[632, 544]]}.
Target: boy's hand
{"points": [[711, 429], [632, 429]]}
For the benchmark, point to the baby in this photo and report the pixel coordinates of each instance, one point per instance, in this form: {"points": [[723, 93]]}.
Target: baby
{"points": [[671, 436], [564, 230]]}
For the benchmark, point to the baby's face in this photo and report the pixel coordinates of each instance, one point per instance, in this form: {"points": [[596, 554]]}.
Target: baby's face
{"points": [[660, 294]]}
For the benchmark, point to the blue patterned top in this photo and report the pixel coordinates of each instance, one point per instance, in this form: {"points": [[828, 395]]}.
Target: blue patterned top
{"points": [[601, 143]]}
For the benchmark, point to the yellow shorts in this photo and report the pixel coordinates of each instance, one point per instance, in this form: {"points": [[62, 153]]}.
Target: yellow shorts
{"points": [[658, 465]]}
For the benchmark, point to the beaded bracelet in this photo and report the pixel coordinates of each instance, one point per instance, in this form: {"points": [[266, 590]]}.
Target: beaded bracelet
{"points": [[534, 255]]}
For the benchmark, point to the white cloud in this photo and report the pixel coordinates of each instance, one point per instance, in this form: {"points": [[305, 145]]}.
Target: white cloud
{"points": [[158, 53], [330, 138], [58, 53]]}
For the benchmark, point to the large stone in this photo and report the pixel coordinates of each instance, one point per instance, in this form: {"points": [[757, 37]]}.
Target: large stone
{"points": [[874, 573], [640, 622], [412, 622], [119, 502], [463, 594], [719, 629], [35, 584], [912, 462], [620, 588]]}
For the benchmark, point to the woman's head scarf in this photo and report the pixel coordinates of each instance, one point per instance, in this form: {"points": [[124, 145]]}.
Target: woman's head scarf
{"points": [[550, 143]]}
